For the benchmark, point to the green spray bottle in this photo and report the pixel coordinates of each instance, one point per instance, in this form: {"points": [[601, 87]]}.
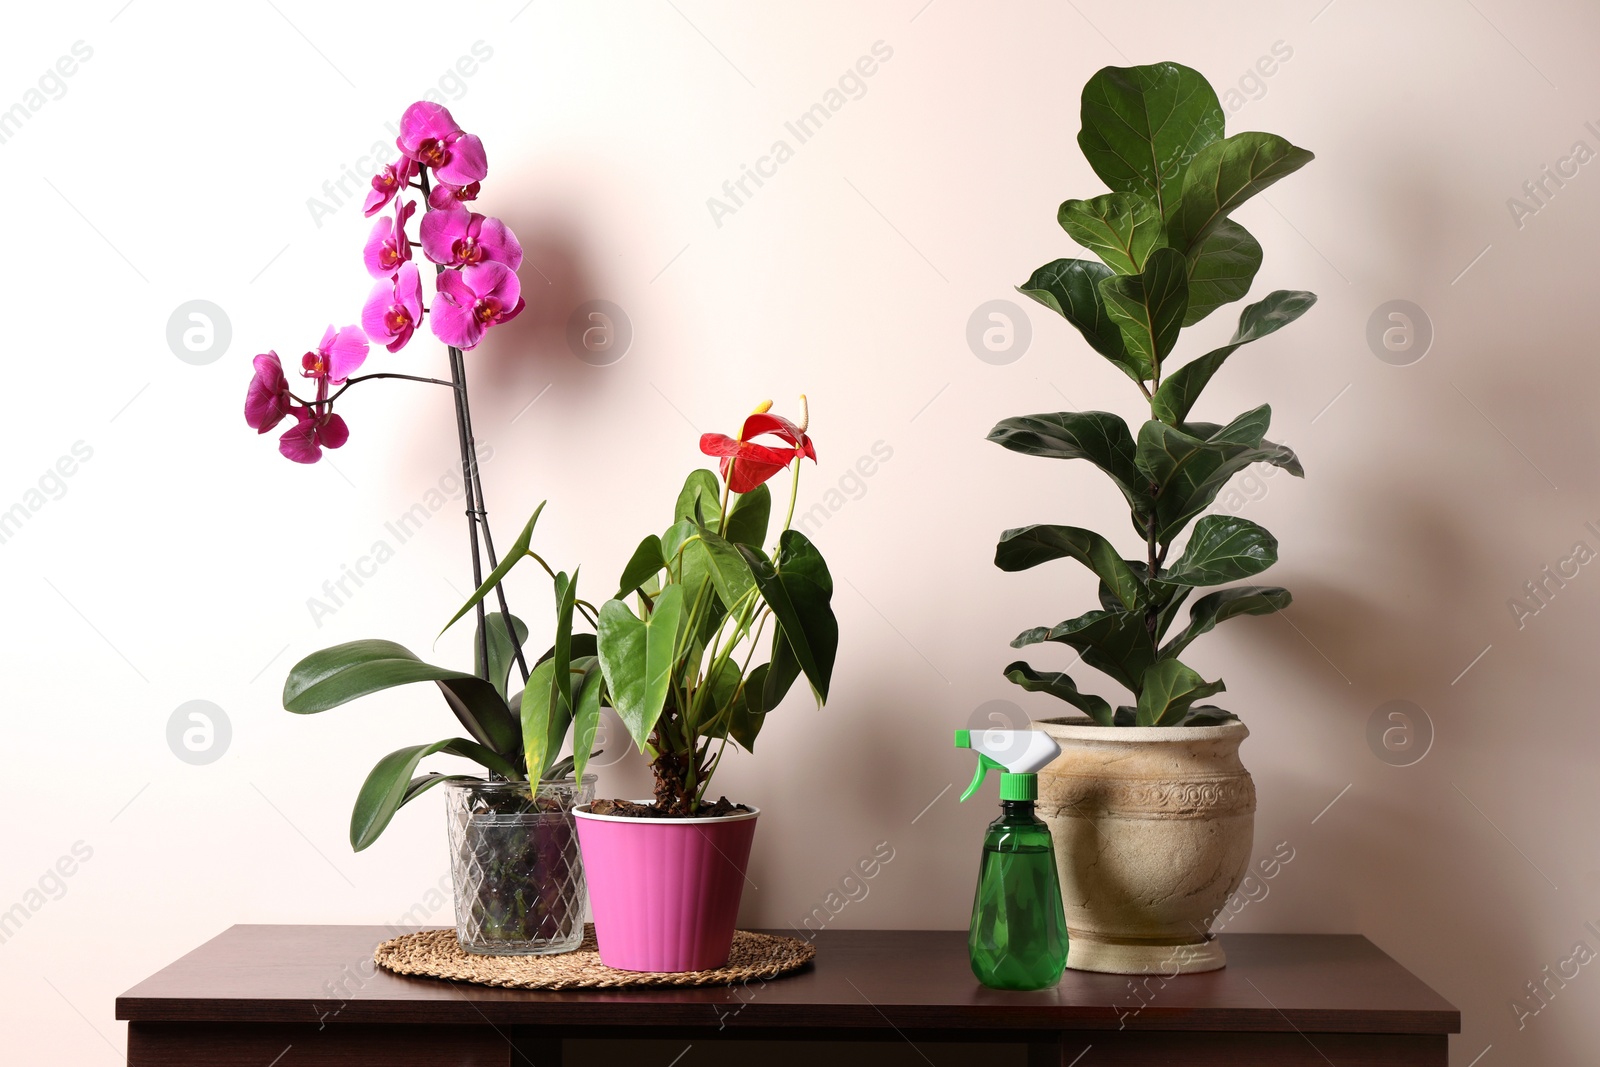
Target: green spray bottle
{"points": [[1018, 938]]}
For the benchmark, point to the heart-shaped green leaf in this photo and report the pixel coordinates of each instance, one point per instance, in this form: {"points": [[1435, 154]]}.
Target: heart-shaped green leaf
{"points": [[1168, 689], [748, 517], [1223, 548], [1224, 175], [1061, 686], [1143, 125], [636, 656], [1028, 546], [1148, 307], [645, 563], [700, 499], [798, 590], [1121, 228], [541, 707]]}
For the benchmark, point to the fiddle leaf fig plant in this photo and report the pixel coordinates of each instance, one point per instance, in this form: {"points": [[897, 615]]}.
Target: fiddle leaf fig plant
{"points": [[1168, 255]]}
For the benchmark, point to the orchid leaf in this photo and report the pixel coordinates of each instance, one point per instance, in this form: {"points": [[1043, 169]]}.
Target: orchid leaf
{"points": [[389, 785]]}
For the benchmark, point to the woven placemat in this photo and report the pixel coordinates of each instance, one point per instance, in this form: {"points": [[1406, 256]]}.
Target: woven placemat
{"points": [[436, 954]]}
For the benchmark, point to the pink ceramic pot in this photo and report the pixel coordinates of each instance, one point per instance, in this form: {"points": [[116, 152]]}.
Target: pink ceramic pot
{"points": [[665, 892]]}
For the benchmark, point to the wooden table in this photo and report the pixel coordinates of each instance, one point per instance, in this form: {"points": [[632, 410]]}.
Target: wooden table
{"points": [[296, 996]]}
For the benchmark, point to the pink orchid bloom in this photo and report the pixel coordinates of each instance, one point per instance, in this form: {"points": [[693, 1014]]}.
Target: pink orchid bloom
{"points": [[471, 300], [340, 355], [267, 402], [448, 196], [387, 245], [460, 238], [387, 182], [394, 309], [431, 137], [311, 434]]}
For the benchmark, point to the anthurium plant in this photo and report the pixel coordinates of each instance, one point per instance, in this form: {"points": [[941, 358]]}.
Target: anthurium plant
{"points": [[1168, 256], [475, 259], [679, 666]]}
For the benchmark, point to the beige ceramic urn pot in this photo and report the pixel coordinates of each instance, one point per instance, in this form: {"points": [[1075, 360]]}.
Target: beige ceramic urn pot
{"points": [[1153, 828]]}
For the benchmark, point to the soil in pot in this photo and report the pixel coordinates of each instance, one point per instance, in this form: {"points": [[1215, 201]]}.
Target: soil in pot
{"points": [[634, 810]]}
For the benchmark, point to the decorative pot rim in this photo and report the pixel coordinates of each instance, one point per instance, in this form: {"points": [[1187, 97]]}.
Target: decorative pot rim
{"points": [[743, 816], [1083, 728], [480, 783]]}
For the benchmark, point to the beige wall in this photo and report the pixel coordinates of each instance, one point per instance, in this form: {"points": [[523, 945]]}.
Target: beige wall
{"points": [[178, 563]]}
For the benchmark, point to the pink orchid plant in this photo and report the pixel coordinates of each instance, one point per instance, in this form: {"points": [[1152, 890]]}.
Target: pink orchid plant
{"points": [[439, 172], [476, 286]]}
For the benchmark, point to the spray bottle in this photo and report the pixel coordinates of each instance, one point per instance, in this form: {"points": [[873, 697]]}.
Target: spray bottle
{"points": [[1018, 938]]}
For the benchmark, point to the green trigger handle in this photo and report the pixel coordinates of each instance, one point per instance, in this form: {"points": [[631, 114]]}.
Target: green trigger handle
{"points": [[985, 764]]}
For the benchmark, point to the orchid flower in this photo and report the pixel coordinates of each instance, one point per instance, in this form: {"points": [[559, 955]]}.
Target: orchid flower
{"points": [[746, 464], [311, 434], [457, 237], [387, 245], [387, 182], [431, 137], [394, 309], [267, 401], [444, 196], [340, 355], [471, 300]]}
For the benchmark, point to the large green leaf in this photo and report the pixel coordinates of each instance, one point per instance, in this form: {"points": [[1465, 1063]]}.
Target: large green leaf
{"points": [[1182, 387], [748, 517], [1071, 288], [541, 707], [1116, 642], [586, 718], [1224, 175], [722, 563], [1221, 269], [1097, 436], [513, 556], [1189, 470], [700, 499], [1059, 685], [1224, 604], [340, 674], [1167, 691], [645, 563], [1121, 228], [798, 590], [1148, 307], [1143, 125], [1029, 546], [636, 656], [502, 654], [782, 670], [389, 784], [561, 651], [1223, 548]]}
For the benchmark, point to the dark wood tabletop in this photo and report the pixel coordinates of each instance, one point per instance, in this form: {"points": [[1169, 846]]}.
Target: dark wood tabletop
{"points": [[862, 980]]}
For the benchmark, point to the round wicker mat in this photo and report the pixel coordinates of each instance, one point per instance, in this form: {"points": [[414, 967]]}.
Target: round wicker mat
{"points": [[436, 954]]}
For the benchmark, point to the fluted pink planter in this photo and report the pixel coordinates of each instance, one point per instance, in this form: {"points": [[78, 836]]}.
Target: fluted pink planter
{"points": [[665, 892]]}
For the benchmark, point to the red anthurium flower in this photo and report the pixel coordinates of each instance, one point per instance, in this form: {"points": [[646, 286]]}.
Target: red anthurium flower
{"points": [[746, 464]]}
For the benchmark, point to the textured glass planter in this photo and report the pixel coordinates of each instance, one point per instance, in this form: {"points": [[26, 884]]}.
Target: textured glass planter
{"points": [[518, 874]]}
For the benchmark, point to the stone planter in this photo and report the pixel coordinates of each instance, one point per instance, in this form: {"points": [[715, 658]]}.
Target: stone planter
{"points": [[1153, 829]]}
